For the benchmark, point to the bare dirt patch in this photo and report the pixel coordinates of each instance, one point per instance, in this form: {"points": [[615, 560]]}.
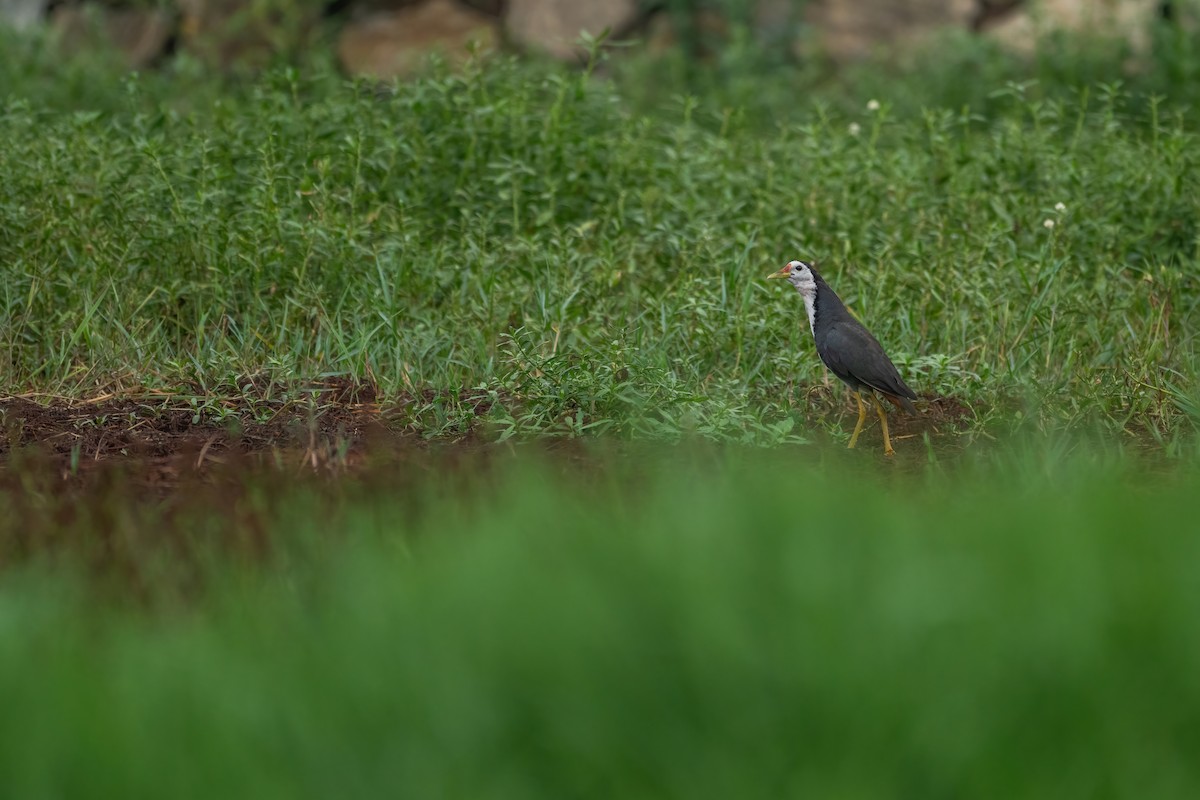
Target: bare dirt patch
{"points": [[939, 417], [170, 434], [163, 438]]}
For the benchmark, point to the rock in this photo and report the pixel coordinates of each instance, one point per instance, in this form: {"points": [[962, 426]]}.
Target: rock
{"points": [[553, 26], [396, 43], [141, 36], [229, 33], [22, 14], [847, 30], [1020, 29]]}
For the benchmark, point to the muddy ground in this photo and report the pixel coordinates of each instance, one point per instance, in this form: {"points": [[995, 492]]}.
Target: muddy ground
{"points": [[164, 439]]}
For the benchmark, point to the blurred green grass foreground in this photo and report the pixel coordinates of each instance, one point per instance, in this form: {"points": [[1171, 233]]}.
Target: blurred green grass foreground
{"points": [[701, 623]]}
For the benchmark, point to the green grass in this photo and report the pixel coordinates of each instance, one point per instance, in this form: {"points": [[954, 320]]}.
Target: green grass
{"points": [[520, 233], [703, 624], [523, 251]]}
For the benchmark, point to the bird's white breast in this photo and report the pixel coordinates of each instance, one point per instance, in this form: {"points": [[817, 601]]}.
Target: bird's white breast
{"points": [[810, 305], [802, 278]]}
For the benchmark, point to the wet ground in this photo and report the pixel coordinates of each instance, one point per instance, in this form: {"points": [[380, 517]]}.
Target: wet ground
{"points": [[166, 439], [163, 429]]}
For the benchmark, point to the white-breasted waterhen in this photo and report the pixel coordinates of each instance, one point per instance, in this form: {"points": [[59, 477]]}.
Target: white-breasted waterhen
{"points": [[848, 348]]}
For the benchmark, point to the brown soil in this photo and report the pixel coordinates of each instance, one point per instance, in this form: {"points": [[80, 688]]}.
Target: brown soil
{"points": [[936, 416], [162, 430], [163, 439]]}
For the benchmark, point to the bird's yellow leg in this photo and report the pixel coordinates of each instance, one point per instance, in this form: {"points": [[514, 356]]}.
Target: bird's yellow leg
{"points": [[862, 416], [887, 441]]}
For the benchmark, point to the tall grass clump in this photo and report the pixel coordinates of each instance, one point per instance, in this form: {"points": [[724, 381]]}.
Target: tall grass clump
{"points": [[518, 232], [705, 626]]}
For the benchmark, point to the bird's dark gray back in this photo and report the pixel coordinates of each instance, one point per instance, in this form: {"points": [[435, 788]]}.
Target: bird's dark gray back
{"points": [[849, 350]]}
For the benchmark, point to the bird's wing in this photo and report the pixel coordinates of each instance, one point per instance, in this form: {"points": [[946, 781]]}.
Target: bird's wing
{"points": [[850, 349]]}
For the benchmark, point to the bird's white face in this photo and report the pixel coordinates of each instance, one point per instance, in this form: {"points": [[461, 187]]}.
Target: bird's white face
{"points": [[799, 275]]}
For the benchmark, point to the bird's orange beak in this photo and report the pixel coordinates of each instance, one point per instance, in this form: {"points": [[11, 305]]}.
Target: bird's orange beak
{"points": [[783, 273]]}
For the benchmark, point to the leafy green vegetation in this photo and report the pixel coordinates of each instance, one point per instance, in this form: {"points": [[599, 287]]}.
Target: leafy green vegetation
{"points": [[518, 233]]}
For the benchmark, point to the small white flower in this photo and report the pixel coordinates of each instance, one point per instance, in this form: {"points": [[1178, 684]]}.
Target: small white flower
{"points": [[1060, 207], [1048, 224], [855, 129], [872, 105]]}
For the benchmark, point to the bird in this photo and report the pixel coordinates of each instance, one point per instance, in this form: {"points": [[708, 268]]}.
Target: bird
{"points": [[848, 348]]}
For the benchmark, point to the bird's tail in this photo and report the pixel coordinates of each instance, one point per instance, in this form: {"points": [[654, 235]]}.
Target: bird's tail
{"points": [[902, 403]]}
